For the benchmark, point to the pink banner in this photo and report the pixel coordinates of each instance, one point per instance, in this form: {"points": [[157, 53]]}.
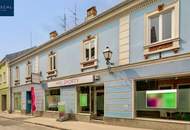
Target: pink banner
{"points": [[33, 99]]}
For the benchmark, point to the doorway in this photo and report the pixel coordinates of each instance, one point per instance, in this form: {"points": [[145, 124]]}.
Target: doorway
{"points": [[4, 102], [28, 102], [91, 100], [99, 96]]}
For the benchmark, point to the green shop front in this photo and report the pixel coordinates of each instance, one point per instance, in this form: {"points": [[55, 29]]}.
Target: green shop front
{"points": [[83, 98]]}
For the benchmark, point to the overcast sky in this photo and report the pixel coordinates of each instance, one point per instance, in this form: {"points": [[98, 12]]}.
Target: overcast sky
{"points": [[36, 18]]}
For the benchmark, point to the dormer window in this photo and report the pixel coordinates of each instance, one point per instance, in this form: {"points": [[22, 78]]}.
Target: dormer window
{"points": [[89, 52], [52, 71]]}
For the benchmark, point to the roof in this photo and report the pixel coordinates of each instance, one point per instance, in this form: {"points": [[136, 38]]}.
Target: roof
{"points": [[80, 26], [12, 56]]}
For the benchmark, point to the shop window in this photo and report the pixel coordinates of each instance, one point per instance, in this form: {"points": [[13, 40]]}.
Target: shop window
{"points": [[52, 99], [89, 52], [17, 101], [52, 72], [170, 102]]}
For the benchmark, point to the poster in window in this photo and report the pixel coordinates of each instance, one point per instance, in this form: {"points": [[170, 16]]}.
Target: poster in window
{"points": [[83, 100]]}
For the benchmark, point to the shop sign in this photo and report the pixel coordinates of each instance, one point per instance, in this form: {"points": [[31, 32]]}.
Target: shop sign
{"points": [[72, 81]]}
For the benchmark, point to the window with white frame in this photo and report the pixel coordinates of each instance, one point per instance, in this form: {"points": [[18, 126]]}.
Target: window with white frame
{"points": [[89, 52], [161, 25], [52, 61], [17, 73], [28, 69]]}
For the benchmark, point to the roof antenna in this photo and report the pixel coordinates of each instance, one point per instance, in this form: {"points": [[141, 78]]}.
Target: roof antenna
{"points": [[74, 13], [64, 24]]}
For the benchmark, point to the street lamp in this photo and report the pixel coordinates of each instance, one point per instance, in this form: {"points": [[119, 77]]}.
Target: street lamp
{"points": [[107, 55]]}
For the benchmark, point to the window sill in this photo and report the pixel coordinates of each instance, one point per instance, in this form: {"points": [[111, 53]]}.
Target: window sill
{"points": [[52, 73], [89, 64], [166, 45], [17, 82]]}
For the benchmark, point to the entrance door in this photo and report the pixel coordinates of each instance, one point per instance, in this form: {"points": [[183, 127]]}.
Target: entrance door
{"points": [[99, 102], [4, 102], [28, 102]]}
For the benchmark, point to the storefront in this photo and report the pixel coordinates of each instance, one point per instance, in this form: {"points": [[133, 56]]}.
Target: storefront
{"points": [[163, 98], [52, 97], [82, 97], [21, 99]]}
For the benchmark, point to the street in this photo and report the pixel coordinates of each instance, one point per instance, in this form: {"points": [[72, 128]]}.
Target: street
{"points": [[8, 124]]}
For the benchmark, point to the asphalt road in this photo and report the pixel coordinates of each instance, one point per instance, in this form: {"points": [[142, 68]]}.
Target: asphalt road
{"points": [[7, 124]]}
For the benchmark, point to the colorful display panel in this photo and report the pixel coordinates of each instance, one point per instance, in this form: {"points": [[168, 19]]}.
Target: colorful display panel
{"points": [[162, 99]]}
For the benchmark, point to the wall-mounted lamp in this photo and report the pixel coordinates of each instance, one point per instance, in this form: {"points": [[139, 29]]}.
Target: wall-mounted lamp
{"points": [[107, 55]]}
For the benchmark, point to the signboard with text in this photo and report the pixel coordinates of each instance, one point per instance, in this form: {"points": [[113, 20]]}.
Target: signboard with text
{"points": [[6, 7], [72, 81]]}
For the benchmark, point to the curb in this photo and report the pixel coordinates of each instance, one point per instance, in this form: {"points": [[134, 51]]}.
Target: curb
{"points": [[28, 122]]}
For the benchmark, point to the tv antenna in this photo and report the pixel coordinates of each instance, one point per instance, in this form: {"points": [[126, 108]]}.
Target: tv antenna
{"points": [[74, 13], [64, 24]]}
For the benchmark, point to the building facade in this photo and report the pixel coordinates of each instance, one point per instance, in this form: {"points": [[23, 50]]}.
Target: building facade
{"points": [[148, 84], [4, 95]]}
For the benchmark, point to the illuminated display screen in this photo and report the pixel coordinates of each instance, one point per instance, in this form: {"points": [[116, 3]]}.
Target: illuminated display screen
{"points": [[162, 99]]}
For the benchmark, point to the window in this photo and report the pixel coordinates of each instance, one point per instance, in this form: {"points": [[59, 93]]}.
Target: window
{"points": [[52, 61], [52, 99], [17, 73], [165, 98], [28, 69], [161, 26], [17, 101], [4, 77], [162, 30], [52, 72], [89, 52]]}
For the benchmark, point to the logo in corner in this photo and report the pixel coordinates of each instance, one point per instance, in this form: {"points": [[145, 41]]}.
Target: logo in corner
{"points": [[6, 7]]}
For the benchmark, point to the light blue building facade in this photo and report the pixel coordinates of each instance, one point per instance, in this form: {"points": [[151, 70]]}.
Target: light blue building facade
{"points": [[150, 45]]}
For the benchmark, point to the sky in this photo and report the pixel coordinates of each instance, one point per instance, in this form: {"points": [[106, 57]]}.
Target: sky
{"points": [[35, 19]]}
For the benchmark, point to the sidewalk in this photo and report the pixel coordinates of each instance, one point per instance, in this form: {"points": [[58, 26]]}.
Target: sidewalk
{"points": [[67, 125]]}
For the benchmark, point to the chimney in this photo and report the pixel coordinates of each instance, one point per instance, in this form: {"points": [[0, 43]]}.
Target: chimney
{"points": [[91, 13], [53, 35]]}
